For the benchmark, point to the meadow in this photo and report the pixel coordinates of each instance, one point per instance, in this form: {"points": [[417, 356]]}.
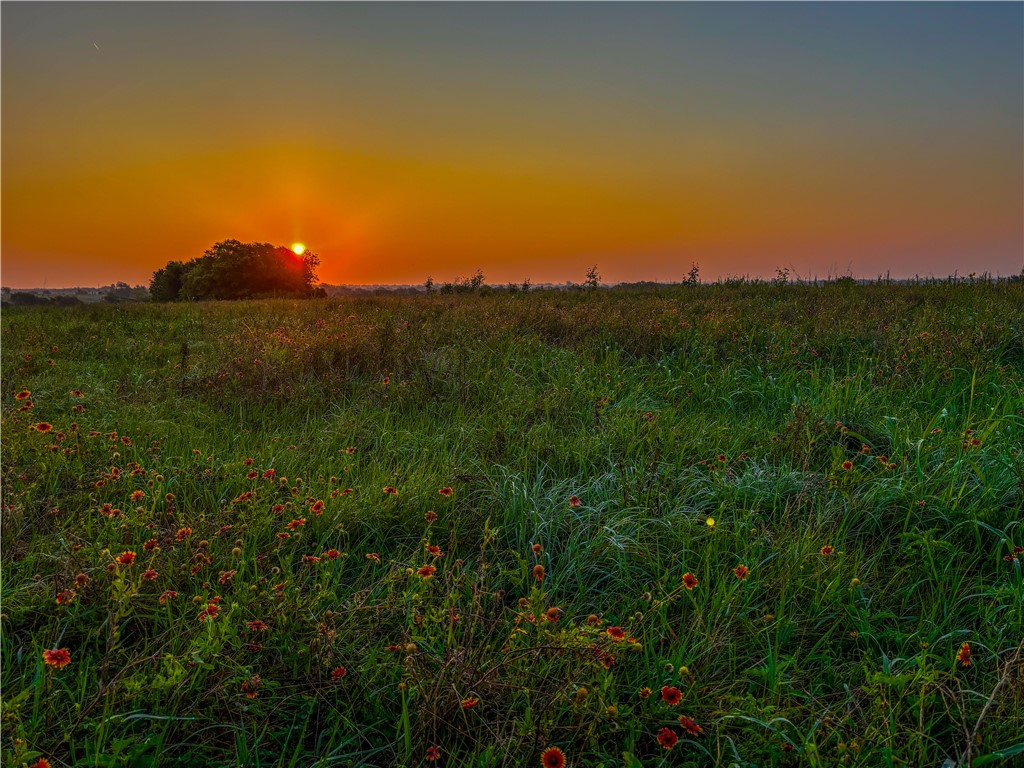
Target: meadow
{"points": [[718, 525]]}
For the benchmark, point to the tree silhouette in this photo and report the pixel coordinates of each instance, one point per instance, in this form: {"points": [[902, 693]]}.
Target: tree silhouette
{"points": [[235, 270]]}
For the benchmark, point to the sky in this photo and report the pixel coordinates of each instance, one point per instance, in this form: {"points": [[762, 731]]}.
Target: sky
{"points": [[405, 140]]}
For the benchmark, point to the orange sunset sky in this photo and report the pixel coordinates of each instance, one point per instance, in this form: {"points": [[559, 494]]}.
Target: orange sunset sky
{"points": [[399, 141]]}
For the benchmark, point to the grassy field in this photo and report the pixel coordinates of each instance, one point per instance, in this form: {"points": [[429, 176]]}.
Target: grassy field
{"points": [[760, 525]]}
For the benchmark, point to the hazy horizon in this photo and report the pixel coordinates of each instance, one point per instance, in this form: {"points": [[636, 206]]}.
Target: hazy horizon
{"points": [[399, 141]]}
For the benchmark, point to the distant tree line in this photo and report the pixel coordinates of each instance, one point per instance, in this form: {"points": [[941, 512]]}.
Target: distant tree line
{"points": [[235, 270]]}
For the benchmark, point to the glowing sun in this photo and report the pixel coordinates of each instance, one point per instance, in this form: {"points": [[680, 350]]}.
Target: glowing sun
{"points": [[299, 249]]}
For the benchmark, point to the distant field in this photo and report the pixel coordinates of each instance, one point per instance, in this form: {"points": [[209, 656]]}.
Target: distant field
{"points": [[789, 512]]}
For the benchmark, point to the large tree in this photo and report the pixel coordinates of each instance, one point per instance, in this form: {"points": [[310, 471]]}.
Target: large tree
{"points": [[236, 270]]}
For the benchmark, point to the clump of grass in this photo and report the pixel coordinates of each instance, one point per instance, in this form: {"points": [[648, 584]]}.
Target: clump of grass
{"points": [[719, 525]]}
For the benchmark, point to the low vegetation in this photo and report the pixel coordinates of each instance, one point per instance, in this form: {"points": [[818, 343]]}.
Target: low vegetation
{"points": [[699, 526]]}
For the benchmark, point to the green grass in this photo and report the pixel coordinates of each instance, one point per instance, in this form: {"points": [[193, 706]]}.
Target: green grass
{"points": [[658, 409]]}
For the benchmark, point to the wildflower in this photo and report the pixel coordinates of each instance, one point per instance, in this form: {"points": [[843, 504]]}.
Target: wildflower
{"points": [[57, 658], [250, 686], [385, 381], [427, 571], [644, 692], [552, 614], [671, 695], [689, 581], [538, 572], [434, 550], [827, 550], [298, 523], [667, 738], [575, 501], [136, 495], [209, 612], [963, 656], [430, 517], [690, 726], [537, 549], [433, 753], [310, 559], [183, 533], [42, 762], [169, 594], [847, 465], [42, 426], [150, 574], [391, 490], [81, 580], [741, 572], [256, 625], [338, 672], [252, 474], [126, 558], [616, 633], [594, 620], [226, 576], [469, 702], [710, 523], [332, 554], [373, 557], [149, 545], [65, 597], [317, 507], [284, 535], [552, 757], [269, 474], [23, 395], [446, 491]]}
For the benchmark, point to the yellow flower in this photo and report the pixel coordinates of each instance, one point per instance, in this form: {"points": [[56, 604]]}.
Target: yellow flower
{"points": [[711, 523]]}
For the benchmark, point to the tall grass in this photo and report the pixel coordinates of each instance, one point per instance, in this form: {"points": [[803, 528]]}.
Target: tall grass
{"points": [[859, 449]]}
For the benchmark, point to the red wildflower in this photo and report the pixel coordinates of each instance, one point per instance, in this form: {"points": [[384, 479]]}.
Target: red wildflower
{"points": [[430, 516], [183, 533], [81, 580], [226, 576], [427, 571], [42, 426], [446, 491], [252, 474], [847, 465], [469, 702], [126, 558], [690, 726], [667, 738], [257, 626], [332, 554], [575, 501], [689, 580], [537, 549], [616, 633], [57, 658], [284, 535], [433, 753], [297, 523], [149, 545], [249, 462], [644, 692], [65, 597], [317, 507], [76, 393], [338, 672], [150, 574], [391, 490], [963, 656], [552, 757], [23, 395], [827, 550], [170, 594], [741, 572], [250, 686], [136, 495], [538, 572], [671, 695], [434, 550], [42, 762], [209, 612]]}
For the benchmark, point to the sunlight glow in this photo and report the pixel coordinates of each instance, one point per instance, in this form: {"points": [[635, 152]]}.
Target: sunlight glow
{"points": [[299, 249]]}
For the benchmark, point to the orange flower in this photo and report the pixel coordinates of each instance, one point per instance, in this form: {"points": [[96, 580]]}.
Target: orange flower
{"points": [[338, 672], [257, 626], [150, 574], [57, 658], [434, 550], [538, 572], [689, 580], [827, 550], [552, 757], [332, 554], [690, 726], [136, 495], [537, 549], [317, 507], [126, 558], [847, 465], [392, 490], [741, 572], [170, 594], [373, 557], [644, 692], [42, 426], [616, 633], [42, 762], [671, 695], [963, 656], [430, 517], [65, 597], [575, 501], [427, 571], [446, 491], [469, 702], [433, 753], [297, 523], [667, 738], [23, 395], [183, 533]]}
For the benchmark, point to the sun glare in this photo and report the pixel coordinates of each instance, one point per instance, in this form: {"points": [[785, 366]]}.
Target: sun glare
{"points": [[299, 249]]}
